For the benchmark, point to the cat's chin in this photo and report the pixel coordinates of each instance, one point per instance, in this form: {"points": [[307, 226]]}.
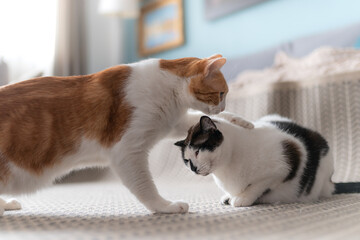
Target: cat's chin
{"points": [[204, 174], [213, 111], [210, 110]]}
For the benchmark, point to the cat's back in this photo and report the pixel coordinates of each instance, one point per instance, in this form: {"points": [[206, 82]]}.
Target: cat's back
{"points": [[53, 89], [314, 142], [314, 177], [44, 88], [44, 119]]}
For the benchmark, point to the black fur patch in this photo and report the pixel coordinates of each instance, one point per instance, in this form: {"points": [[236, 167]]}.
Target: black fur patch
{"points": [[203, 136], [213, 140], [349, 187], [316, 147], [292, 153], [192, 167], [267, 191], [200, 138], [258, 200]]}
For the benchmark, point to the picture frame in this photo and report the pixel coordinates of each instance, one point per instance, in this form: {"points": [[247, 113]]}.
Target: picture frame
{"points": [[219, 8], [160, 27]]}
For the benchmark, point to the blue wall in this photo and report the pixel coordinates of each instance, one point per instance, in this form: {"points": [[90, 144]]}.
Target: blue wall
{"points": [[252, 29]]}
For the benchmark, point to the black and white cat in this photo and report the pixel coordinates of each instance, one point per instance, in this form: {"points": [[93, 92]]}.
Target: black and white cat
{"points": [[277, 161]]}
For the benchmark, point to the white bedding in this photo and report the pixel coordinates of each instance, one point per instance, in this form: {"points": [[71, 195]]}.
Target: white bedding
{"points": [[321, 63]]}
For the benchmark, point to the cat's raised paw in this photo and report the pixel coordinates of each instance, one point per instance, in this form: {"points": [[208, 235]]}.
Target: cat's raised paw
{"points": [[241, 202], [174, 207], [242, 122]]}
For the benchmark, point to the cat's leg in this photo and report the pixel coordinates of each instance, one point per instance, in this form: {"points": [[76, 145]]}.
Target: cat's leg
{"points": [[237, 120], [132, 167], [2, 206], [250, 194], [11, 204]]}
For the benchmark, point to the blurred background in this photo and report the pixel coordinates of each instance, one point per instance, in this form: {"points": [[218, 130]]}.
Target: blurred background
{"points": [[297, 58], [71, 37]]}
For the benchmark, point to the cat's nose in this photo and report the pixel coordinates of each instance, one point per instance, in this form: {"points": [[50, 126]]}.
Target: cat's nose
{"points": [[193, 168]]}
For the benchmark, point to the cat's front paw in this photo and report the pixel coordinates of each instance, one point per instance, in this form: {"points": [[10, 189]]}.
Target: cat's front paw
{"points": [[241, 202], [174, 207], [8, 205], [12, 204]]}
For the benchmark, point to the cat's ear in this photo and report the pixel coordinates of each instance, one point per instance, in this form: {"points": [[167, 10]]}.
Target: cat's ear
{"points": [[180, 143], [215, 56], [206, 124], [213, 65]]}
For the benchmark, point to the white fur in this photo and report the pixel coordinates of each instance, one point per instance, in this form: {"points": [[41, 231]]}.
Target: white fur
{"points": [[248, 162], [160, 100], [90, 154]]}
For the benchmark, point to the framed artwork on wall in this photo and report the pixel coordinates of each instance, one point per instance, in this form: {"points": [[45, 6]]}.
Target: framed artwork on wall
{"points": [[218, 8], [161, 26]]}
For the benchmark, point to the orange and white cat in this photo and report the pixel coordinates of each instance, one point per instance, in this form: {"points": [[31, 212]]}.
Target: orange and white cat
{"points": [[52, 125]]}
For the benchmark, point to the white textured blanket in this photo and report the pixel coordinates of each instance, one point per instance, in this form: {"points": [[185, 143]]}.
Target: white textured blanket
{"points": [[106, 210]]}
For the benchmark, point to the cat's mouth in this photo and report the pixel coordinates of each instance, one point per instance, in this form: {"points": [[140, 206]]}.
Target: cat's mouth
{"points": [[204, 171], [204, 174], [201, 173], [213, 111]]}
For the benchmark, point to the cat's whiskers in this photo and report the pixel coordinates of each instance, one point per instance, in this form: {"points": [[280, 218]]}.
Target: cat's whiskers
{"points": [[205, 168]]}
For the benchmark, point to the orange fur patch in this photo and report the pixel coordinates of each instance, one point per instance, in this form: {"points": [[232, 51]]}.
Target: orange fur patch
{"points": [[209, 93], [205, 88], [184, 67], [43, 119], [4, 169]]}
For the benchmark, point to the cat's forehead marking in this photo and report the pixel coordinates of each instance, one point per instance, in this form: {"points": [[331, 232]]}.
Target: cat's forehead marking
{"points": [[183, 67], [189, 153], [203, 87], [209, 93], [198, 139], [192, 133]]}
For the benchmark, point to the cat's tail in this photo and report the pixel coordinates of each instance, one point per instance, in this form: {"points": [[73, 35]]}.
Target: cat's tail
{"points": [[349, 187]]}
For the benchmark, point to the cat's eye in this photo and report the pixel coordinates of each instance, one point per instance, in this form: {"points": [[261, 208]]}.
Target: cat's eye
{"points": [[186, 161], [196, 153], [222, 95]]}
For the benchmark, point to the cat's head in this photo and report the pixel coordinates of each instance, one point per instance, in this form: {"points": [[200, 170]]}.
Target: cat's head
{"points": [[207, 87], [200, 149]]}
